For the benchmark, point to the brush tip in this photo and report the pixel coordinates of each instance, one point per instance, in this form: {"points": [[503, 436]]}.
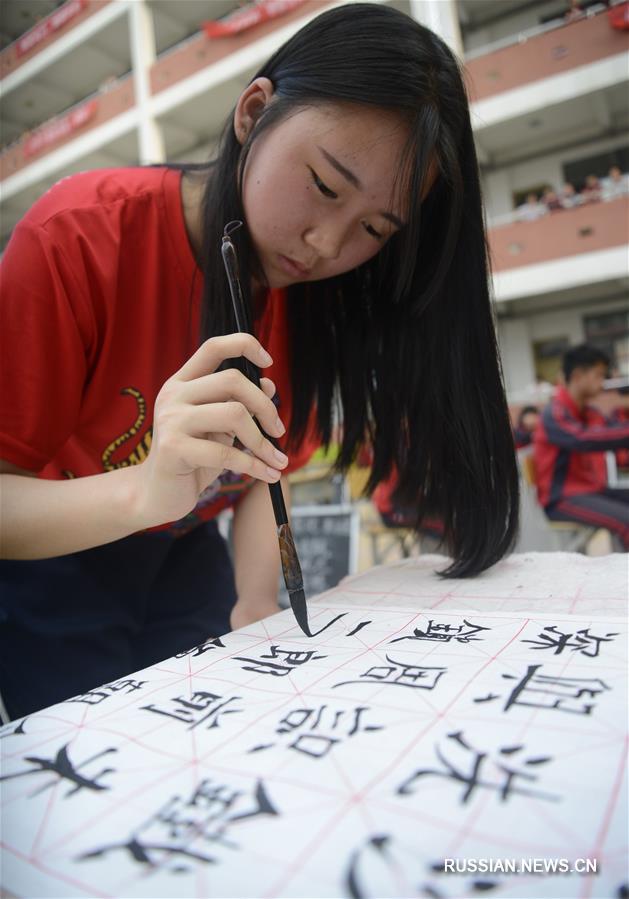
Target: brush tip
{"points": [[300, 610]]}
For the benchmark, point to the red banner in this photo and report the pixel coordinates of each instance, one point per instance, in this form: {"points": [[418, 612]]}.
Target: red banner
{"points": [[49, 25], [249, 17], [56, 131]]}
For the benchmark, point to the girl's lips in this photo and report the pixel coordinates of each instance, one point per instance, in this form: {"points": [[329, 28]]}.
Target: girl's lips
{"points": [[293, 268]]}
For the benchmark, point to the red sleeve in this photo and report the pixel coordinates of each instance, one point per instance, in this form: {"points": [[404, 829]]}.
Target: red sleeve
{"points": [[43, 359], [567, 432]]}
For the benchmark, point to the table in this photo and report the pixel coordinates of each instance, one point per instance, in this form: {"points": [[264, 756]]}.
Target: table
{"points": [[434, 735]]}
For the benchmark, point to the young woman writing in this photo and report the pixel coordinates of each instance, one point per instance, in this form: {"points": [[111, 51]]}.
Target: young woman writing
{"points": [[351, 161]]}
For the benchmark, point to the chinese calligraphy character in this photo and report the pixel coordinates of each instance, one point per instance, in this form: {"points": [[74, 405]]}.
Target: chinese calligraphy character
{"points": [[181, 831], [214, 643], [476, 885], [401, 675], [472, 778], [311, 741], [444, 633], [545, 691], [292, 659], [329, 624], [196, 710], [62, 767], [378, 845], [584, 642], [358, 627], [94, 697], [12, 729]]}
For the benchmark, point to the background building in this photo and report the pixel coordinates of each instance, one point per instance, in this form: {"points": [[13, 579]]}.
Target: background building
{"points": [[92, 83]]}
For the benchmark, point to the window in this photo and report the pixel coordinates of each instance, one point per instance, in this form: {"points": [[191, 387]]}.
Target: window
{"points": [[610, 332]]}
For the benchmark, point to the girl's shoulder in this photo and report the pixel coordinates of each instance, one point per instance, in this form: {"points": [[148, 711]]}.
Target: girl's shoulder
{"points": [[97, 191]]}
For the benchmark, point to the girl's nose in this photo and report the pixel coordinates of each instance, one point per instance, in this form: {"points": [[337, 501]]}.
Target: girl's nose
{"points": [[326, 241]]}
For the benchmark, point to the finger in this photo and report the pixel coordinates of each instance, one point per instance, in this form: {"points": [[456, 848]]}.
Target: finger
{"points": [[269, 387], [233, 419], [231, 384], [200, 453], [215, 350]]}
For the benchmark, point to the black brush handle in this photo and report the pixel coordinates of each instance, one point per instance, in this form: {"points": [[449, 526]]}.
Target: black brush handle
{"points": [[251, 371], [288, 551]]}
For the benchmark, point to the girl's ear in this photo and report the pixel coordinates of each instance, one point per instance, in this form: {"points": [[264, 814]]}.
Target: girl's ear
{"points": [[250, 107]]}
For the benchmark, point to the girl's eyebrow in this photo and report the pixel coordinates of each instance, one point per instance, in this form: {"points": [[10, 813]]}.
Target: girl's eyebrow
{"points": [[340, 168], [355, 182]]}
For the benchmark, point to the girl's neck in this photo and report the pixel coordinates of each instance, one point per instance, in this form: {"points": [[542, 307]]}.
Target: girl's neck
{"points": [[192, 190]]}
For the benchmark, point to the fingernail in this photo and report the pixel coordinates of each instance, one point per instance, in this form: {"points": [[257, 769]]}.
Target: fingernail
{"points": [[280, 457], [279, 426], [264, 357], [273, 473]]}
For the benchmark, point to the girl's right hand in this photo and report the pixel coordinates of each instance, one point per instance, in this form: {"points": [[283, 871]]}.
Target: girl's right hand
{"points": [[198, 414]]}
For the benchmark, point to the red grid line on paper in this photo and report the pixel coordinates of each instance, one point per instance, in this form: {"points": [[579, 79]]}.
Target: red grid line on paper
{"points": [[613, 799], [313, 844], [361, 797]]}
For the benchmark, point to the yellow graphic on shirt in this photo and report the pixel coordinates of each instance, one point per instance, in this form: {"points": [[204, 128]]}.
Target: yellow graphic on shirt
{"points": [[141, 451]]}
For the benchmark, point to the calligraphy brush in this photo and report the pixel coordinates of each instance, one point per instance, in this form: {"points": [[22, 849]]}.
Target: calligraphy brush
{"points": [[288, 552]]}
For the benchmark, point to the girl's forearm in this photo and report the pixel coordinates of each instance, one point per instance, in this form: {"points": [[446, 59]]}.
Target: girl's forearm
{"points": [[40, 519], [256, 556]]}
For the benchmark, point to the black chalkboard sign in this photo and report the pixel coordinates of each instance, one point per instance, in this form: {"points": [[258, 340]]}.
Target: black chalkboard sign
{"points": [[326, 538]]}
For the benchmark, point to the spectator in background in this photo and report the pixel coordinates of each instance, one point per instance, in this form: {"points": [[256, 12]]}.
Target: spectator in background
{"points": [[592, 190], [525, 426], [570, 445], [550, 200], [615, 185], [574, 11], [568, 197], [532, 209]]}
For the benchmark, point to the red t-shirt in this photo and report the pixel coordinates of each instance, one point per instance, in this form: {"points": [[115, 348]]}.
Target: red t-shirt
{"points": [[100, 306]]}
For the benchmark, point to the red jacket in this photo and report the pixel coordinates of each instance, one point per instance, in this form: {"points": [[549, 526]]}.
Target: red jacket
{"points": [[569, 449]]}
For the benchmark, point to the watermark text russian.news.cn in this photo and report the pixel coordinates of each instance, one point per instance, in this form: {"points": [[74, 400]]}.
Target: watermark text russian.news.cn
{"points": [[520, 866]]}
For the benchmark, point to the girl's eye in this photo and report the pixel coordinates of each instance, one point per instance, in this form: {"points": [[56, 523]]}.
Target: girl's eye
{"points": [[325, 190], [372, 231]]}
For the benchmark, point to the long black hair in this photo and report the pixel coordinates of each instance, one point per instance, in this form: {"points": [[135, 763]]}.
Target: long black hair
{"points": [[402, 349]]}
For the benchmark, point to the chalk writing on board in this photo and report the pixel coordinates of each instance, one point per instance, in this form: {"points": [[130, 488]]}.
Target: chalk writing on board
{"points": [[95, 697], [503, 779], [199, 707], [399, 674], [444, 633], [178, 834], [584, 642], [547, 691], [63, 769], [292, 658], [309, 729]]}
